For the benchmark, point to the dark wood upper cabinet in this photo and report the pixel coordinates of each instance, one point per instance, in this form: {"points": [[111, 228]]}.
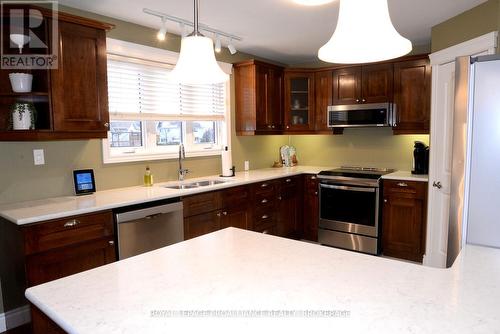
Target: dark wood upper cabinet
{"points": [[412, 96], [347, 85], [404, 219], [323, 88], [79, 85], [377, 83], [259, 98], [71, 101], [299, 101], [363, 84], [268, 103]]}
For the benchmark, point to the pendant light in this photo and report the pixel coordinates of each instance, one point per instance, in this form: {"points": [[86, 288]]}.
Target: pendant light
{"points": [[364, 34], [196, 64]]}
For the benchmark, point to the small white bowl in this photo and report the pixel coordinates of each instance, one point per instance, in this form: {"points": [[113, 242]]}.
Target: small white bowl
{"points": [[21, 82]]}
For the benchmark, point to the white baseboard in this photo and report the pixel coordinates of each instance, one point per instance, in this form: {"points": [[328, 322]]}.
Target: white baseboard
{"points": [[15, 318]]}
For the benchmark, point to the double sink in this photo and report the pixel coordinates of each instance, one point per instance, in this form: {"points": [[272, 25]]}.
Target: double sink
{"points": [[198, 184]]}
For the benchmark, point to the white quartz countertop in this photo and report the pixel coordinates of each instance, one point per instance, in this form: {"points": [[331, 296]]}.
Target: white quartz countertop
{"points": [[405, 176], [234, 269], [23, 213], [35, 211]]}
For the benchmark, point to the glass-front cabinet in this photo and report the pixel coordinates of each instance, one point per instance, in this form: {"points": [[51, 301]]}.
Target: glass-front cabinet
{"points": [[299, 101]]}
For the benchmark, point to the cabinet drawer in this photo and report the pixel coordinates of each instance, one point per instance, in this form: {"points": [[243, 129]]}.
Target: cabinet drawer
{"points": [[265, 199], [264, 187], [266, 227], [410, 188], [237, 196], [67, 231], [202, 203], [264, 214]]}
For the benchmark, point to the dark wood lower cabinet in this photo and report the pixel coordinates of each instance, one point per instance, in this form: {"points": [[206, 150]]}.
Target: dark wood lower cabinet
{"points": [[310, 216], [45, 251], [289, 224], [195, 226], [236, 217], [54, 264], [404, 219]]}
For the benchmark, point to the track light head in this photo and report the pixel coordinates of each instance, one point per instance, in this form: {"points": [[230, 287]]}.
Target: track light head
{"points": [[218, 46], [231, 47], [162, 33]]}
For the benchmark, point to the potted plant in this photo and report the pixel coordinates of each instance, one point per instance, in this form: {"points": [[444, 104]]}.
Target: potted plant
{"points": [[23, 115]]}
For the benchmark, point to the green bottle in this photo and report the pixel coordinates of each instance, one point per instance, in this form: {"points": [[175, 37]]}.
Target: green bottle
{"points": [[148, 177]]}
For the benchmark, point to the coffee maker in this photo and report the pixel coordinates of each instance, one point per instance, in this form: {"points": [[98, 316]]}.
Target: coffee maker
{"points": [[420, 158]]}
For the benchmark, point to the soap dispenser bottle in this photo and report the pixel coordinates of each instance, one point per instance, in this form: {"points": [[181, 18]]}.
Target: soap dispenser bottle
{"points": [[148, 177]]}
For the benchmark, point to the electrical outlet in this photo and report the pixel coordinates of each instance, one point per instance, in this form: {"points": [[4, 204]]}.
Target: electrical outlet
{"points": [[38, 157]]}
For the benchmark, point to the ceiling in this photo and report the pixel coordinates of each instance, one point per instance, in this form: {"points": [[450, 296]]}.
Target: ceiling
{"points": [[279, 30]]}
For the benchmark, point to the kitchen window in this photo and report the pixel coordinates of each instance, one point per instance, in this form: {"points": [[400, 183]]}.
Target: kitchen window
{"points": [[150, 115]]}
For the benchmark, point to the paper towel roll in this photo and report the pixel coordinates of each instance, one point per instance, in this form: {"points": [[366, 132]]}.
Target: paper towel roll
{"points": [[227, 163]]}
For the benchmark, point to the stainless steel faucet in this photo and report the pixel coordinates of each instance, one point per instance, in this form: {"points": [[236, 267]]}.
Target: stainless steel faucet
{"points": [[182, 156]]}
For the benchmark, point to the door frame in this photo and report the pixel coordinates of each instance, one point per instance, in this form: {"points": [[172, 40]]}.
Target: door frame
{"points": [[438, 205]]}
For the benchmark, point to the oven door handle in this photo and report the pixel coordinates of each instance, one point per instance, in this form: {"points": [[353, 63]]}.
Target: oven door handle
{"points": [[366, 190]]}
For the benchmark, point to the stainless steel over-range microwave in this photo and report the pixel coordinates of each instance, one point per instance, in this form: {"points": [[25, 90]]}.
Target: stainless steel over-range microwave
{"points": [[361, 115]]}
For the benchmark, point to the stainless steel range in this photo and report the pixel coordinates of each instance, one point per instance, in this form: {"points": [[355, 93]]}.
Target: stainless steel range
{"points": [[350, 208]]}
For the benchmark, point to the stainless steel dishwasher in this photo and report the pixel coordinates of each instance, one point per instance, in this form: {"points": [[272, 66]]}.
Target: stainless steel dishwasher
{"points": [[146, 227]]}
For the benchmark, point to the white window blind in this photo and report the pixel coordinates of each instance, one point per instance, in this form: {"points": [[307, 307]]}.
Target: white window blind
{"points": [[143, 88]]}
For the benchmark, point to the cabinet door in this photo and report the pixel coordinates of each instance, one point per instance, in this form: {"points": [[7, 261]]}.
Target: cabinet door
{"points": [[404, 219], [263, 117], [323, 90], [377, 83], [79, 85], [61, 262], [299, 101], [236, 217], [412, 84], [347, 85], [289, 209], [195, 226], [403, 227], [311, 208], [275, 98]]}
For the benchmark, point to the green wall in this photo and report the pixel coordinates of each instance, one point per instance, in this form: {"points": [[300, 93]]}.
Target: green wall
{"points": [[473, 23]]}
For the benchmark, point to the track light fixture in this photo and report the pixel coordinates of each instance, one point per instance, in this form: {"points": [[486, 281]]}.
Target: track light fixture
{"points": [[162, 33], [218, 34]]}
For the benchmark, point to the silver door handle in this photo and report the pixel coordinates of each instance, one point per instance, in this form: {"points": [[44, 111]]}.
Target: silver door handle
{"points": [[264, 201], [111, 242], [288, 180], [71, 223], [366, 190], [264, 217], [224, 213], [402, 184], [437, 184]]}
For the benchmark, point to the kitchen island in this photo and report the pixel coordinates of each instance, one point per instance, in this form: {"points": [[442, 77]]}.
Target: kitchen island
{"points": [[237, 270]]}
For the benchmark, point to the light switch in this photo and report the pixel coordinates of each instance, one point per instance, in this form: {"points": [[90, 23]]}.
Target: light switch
{"points": [[38, 157]]}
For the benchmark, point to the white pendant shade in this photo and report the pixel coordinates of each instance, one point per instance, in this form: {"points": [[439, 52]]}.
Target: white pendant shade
{"points": [[364, 34], [197, 64]]}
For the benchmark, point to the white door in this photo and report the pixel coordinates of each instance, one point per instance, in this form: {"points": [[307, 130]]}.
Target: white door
{"points": [[443, 94]]}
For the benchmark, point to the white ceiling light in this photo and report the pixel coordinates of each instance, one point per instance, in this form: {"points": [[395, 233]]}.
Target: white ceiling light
{"points": [[197, 64], [218, 46], [162, 33], [364, 34], [312, 2]]}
